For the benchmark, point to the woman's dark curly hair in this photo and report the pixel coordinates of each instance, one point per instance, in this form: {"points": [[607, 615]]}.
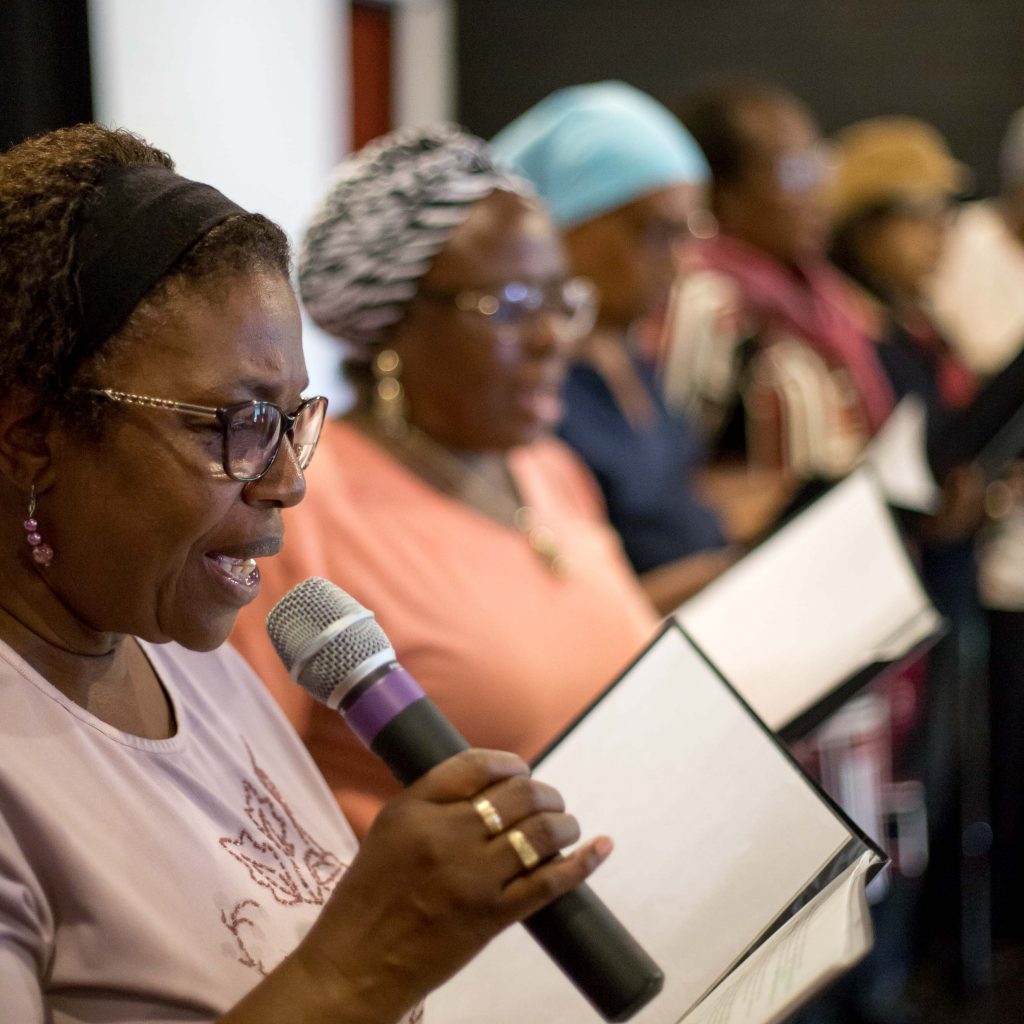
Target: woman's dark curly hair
{"points": [[44, 183]]}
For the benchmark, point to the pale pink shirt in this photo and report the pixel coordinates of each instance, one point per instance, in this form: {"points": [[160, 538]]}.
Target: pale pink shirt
{"points": [[155, 880], [509, 651]]}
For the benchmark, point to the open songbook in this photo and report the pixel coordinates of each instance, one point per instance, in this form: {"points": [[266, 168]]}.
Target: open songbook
{"points": [[734, 871], [817, 610]]}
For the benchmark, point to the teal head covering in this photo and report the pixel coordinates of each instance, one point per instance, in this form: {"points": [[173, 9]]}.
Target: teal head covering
{"points": [[590, 149]]}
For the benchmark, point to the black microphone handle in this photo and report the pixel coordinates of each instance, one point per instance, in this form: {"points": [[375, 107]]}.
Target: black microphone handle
{"points": [[591, 946], [417, 739]]}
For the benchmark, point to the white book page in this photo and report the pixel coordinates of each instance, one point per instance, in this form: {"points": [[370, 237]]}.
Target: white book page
{"points": [[826, 937], [830, 593], [898, 456], [716, 832]]}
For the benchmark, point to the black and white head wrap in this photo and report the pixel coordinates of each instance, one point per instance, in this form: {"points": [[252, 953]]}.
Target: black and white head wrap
{"points": [[390, 209]]}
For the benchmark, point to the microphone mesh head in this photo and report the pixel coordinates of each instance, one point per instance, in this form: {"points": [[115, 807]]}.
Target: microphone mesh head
{"points": [[302, 615]]}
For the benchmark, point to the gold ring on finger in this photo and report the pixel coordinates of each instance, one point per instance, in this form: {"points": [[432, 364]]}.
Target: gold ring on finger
{"points": [[527, 855], [489, 815]]}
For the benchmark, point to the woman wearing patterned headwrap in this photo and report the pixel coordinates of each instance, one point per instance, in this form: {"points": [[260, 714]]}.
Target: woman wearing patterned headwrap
{"points": [[440, 500]]}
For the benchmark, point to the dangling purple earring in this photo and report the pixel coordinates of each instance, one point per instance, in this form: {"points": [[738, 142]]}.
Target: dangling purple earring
{"points": [[42, 554]]}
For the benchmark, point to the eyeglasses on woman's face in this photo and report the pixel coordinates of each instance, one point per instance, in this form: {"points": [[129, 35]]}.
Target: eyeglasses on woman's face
{"points": [[573, 303], [251, 431]]}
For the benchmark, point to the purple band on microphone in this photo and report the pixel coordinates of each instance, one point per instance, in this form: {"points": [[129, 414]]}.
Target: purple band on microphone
{"points": [[388, 696]]}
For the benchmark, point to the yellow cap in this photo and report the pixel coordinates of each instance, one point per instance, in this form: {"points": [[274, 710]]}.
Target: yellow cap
{"points": [[888, 159]]}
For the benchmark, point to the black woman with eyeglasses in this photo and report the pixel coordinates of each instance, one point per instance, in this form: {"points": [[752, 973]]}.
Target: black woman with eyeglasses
{"points": [[441, 499], [168, 850]]}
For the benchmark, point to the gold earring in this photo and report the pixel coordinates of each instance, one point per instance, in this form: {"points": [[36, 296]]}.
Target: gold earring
{"points": [[388, 394]]}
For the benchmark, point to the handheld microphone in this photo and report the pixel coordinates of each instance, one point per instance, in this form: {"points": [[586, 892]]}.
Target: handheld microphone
{"points": [[333, 647]]}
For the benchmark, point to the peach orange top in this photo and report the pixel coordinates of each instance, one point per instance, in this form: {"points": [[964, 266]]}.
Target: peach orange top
{"points": [[510, 652]]}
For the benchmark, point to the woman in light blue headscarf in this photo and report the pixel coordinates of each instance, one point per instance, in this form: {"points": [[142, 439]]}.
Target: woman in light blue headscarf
{"points": [[624, 181]]}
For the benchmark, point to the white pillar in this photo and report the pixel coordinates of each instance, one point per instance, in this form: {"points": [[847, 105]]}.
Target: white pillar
{"points": [[423, 62]]}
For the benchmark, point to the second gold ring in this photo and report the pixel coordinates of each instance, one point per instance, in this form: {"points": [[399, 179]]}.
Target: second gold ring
{"points": [[528, 856]]}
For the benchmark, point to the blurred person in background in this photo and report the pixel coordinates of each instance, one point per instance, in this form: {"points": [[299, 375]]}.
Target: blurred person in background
{"points": [[978, 289], [440, 500], [978, 297], [624, 182], [764, 344], [893, 202]]}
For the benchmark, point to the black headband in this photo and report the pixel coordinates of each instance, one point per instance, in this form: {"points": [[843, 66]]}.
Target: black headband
{"points": [[137, 224]]}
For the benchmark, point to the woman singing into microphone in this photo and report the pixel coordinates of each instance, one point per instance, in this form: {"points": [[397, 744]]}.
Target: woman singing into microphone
{"points": [[167, 849]]}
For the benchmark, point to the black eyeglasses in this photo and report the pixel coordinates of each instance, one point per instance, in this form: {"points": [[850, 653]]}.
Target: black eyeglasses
{"points": [[516, 303], [252, 431]]}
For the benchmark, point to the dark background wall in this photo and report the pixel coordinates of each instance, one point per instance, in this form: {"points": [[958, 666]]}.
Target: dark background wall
{"points": [[956, 63], [44, 67]]}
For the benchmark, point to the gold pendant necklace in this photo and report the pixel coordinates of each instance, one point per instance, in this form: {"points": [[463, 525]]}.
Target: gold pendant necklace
{"points": [[442, 468], [541, 539]]}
